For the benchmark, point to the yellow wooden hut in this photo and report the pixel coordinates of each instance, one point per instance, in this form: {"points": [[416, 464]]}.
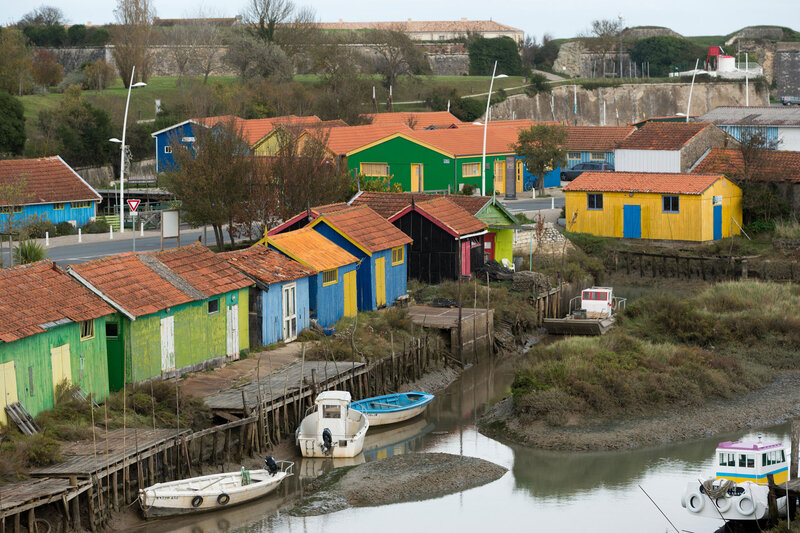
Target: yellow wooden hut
{"points": [[661, 206]]}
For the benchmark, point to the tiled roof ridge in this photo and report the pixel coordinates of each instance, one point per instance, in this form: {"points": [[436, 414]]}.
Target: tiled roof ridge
{"points": [[152, 262]]}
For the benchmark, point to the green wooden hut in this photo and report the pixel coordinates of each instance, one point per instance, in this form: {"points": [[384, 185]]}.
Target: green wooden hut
{"points": [[178, 310], [53, 330]]}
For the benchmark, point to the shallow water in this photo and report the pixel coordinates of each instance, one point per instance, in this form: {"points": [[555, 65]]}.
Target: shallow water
{"points": [[543, 491]]}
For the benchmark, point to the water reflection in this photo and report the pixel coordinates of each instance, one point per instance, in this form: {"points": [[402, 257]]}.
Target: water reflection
{"points": [[543, 491]]}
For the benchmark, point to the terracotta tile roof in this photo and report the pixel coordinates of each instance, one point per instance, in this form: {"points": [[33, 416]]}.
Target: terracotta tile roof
{"points": [[421, 120], [451, 216], [663, 136], [127, 281], [203, 269], [771, 165], [367, 228], [312, 249], [387, 204], [253, 130], [420, 26], [46, 180], [466, 141], [654, 182], [343, 140], [35, 295], [267, 266], [145, 283], [596, 138]]}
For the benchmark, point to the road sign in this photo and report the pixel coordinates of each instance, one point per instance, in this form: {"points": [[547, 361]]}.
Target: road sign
{"points": [[133, 204]]}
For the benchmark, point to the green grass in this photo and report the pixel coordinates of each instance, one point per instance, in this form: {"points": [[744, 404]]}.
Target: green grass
{"points": [[665, 353]]}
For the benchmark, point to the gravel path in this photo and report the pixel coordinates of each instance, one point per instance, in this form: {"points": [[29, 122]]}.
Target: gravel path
{"points": [[772, 405], [400, 478]]}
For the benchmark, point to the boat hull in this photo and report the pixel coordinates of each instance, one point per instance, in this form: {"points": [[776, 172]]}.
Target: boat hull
{"points": [[181, 497], [751, 504], [348, 443], [393, 408], [578, 326]]}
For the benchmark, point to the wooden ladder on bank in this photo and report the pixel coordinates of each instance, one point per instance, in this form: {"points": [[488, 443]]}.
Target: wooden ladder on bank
{"points": [[22, 418]]}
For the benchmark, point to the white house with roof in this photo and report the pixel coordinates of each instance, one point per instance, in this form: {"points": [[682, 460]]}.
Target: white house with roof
{"points": [[779, 124]]}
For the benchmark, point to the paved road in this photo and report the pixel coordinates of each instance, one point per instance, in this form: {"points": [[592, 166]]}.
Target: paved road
{"points": [[530, 204], [78, 253]]}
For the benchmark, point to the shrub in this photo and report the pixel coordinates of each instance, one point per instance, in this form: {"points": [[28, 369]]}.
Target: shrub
{"points": [[29, 252], [96, 226], [40, 449], [36, 228], [65, 228], [467, 189], [761, 226]]}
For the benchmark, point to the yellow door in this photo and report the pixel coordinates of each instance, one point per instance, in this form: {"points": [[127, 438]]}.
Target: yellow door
{"points": [[380, 281], [8, 388], [500, 177], [350, 299], [417, 179], [62, 369], [520, 176]]}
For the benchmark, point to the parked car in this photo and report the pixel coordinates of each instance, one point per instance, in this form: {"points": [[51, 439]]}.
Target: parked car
{"points": [[577, 169], [790, 100]]}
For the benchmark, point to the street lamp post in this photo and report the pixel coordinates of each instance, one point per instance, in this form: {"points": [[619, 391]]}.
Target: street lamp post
{"points": [[485, 127], [131, 85]]}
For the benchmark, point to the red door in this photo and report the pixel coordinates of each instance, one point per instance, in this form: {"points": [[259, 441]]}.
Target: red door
{"points": [[465, 262], [488, 246]]}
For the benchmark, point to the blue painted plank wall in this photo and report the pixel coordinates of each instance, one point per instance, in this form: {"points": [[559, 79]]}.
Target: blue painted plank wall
{"points": [[771, 132], [551, 179], [586, 156], [272, 304], [330, 299], [365, 278], [165, 161], [396, 276], [81, 215]]}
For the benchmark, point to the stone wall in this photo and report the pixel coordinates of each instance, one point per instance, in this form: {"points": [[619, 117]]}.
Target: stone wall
{"points": [[701, 143], [551, 243], [625, 104], [642, 32], [448, 64], [71, 58], [773, 33], [787, 72], [575, 60], [101, 177]]}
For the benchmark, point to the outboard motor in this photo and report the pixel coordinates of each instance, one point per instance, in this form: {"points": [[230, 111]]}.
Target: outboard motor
{"points": [[271, 465], [327, 440]]}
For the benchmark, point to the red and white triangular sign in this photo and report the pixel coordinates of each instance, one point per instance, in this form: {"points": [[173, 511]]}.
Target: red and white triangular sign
{"points": [[133, 204]]}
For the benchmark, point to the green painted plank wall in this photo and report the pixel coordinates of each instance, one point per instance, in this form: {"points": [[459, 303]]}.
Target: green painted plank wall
{"points": [[88, 363]]}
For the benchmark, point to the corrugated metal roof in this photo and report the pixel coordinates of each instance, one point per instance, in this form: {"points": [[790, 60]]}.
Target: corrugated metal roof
{"points": [[311, 249], [650, 182], [753, 116]]}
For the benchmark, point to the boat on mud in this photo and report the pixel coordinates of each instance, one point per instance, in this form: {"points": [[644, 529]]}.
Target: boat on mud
{"points": [[591, 313], [393, 408], [740, 488], [331, 428], [212, 492]]}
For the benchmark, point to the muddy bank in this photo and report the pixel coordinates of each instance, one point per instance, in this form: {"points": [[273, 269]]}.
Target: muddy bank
{"points": [[434, 381], [400, 478], [769, 406]]}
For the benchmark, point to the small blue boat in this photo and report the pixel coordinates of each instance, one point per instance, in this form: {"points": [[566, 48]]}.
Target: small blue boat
{"points": [[393, 408]]}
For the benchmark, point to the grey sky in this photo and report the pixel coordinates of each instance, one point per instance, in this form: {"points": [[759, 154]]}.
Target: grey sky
{"points": [[560, 19]]}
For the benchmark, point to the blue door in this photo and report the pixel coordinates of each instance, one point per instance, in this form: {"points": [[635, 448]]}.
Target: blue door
{"points": [[632, 221], [717, 222]]}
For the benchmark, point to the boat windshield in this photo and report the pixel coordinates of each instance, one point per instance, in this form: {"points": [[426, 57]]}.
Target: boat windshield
{"points": [[331, 411]]}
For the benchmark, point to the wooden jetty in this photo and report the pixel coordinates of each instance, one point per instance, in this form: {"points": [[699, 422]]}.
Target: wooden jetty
{"points": [[477, 325], [24, 497]]}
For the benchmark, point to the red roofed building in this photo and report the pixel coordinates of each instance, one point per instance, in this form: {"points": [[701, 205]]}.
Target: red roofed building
{"points": [[53, 329], [417, 120], [668, 146], [781, 168], [279, 301], [177, 310], [46, 187], [661, 206]]}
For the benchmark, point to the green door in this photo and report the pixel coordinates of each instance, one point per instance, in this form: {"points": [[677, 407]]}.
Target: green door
{"points": [[116, 356]]}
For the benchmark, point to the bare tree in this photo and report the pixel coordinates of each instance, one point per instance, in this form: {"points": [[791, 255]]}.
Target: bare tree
{"points": [[43, 16], [132, 38], [397, 55], [183, 43], [605, 34], [253, 58], [208, 51], [263, 17]]}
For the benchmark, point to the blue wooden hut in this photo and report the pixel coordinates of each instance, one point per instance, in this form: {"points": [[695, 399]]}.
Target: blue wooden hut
{"points": [[181, 133], [44, 188], [380, 246], [279, 301], [332, 292]]}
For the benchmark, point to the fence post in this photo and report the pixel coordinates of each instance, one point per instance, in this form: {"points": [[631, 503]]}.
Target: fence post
{"points": [[47, 239], [80, 235], [110, 232]]}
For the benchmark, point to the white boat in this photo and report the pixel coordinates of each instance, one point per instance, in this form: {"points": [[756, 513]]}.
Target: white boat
{"points": [[207, 493], [591, 313], [331, 429], [393, 408], [740, 488]]}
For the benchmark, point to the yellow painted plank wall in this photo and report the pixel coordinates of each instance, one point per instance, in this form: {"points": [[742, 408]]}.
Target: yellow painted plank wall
{"points": [[694, 222]]}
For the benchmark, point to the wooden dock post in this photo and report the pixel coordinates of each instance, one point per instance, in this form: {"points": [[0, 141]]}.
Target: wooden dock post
{"points": [[115, 495]]}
